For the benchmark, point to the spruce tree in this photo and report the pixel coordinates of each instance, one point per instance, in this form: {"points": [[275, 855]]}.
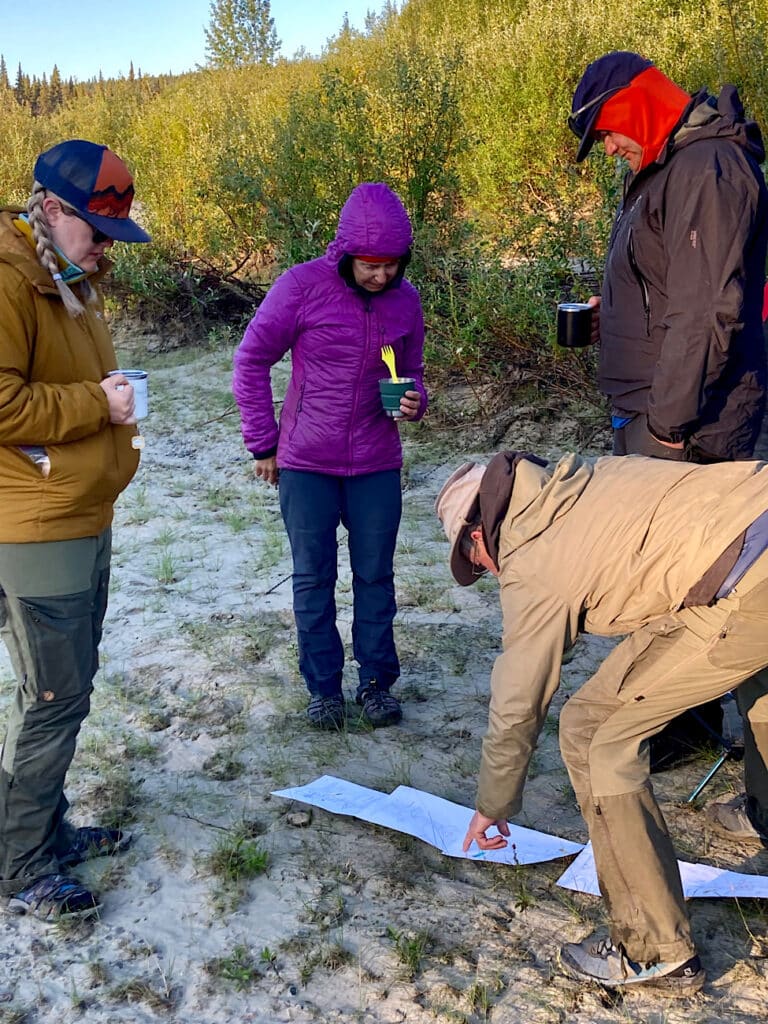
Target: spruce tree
{"points": [[55, 90], [21, 87], [241, 32]]}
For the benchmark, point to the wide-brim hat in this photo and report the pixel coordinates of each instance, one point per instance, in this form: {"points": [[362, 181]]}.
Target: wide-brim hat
{"points": [[455, 505], [95, 182], [602, 79]]}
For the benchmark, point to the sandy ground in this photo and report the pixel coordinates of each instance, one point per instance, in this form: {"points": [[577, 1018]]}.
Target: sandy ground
{"points": [[236, 906]]}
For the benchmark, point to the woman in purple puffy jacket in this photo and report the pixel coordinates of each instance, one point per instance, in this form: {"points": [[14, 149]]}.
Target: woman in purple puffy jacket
{"points": [[335, 453]]}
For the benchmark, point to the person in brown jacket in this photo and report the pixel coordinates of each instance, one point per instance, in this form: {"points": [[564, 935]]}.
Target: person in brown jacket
{"points": [[67, 450], [670, 554]]}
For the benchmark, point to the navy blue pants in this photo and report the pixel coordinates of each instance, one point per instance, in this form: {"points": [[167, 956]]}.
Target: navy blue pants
{"points": [[369, 506]]}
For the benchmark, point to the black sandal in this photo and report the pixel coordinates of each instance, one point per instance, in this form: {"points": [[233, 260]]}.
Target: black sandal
{"points": [[94, 841], [53, 897]]}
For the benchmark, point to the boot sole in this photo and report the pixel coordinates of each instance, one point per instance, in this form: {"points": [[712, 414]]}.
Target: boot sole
{"points": [[666, 985], [674, 987], [17, 908]]}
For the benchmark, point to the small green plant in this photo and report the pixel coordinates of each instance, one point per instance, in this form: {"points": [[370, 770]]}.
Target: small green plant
{"points": [[165, 538], [223, 766], [239, 968], [164, 568], [117, 795], [479, 997], [140, 748], [156, 721], [77, 1001], [9, 1015], [98, 974], [139, 990], [411, 947], [524, 898], [332, 957], [236, 521], [238, 857], [137, 511]]}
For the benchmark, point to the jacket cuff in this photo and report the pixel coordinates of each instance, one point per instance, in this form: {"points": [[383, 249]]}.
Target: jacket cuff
{"points": [[266, 454], [671, 437]]}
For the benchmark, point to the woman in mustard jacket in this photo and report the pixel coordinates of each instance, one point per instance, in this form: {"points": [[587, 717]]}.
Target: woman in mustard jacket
{"points": [[67, 449]]}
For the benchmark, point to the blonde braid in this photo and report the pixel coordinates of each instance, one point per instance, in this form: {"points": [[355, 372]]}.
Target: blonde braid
{"points": [[46, 253]]}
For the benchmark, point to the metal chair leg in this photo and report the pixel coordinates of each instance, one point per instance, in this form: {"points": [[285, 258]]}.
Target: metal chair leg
{"points": [[731, 752]]}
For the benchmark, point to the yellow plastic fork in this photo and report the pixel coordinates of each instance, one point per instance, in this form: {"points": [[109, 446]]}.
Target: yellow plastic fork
{"points": [[388, 355]]}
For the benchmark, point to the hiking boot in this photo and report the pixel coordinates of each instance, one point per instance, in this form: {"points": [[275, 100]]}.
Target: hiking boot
{"points": [[730, 817], [380, 708], [93, 841], [53, 897], [327, 712], [597, 959]]}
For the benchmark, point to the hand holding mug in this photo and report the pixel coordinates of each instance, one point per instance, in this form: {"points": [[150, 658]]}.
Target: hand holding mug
{"points": [[578, 323], [120, 399], [410, 404], [594, 301]]}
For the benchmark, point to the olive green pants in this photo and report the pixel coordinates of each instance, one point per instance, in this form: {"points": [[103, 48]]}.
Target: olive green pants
{"points": [[53, 598], [675, 662]]}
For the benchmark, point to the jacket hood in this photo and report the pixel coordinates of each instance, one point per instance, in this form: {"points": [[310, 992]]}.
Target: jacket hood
{"points": [[646, 111], [16, 250], [540, 496], [372, 222], [720, 117]]}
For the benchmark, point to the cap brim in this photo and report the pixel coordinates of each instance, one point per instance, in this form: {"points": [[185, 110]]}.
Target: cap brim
{"points": [[121, 229], [587, 139], [461, 568]]}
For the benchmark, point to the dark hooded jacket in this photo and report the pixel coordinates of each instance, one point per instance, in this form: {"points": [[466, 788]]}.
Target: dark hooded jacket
{"points": [[332, 420], [680, 319]]}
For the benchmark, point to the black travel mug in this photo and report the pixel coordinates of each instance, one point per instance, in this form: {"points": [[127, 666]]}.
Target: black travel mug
{"points": [[574, 324]]}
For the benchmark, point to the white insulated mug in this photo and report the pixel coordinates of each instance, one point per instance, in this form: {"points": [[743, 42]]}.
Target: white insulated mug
{"points": [[139, 382]]}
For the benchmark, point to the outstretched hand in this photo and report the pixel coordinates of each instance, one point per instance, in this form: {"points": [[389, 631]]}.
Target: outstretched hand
{"points": [[477, 829]]}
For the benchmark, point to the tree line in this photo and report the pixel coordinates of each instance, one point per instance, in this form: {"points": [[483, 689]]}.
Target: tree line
{"points": [[461, 105]]}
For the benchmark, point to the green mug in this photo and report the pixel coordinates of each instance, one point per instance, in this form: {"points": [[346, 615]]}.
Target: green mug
{"points": [[392, 390]]}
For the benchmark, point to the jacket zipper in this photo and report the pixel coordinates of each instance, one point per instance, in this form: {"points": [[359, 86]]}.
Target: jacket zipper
{"points": [[299, 405], [368, 313], [641, 281]]}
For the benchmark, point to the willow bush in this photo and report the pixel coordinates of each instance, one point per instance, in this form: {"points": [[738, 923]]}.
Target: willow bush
{"points": [[461, 105]]}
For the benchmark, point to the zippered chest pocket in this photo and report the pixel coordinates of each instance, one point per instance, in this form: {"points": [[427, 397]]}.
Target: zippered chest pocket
{"points": [[643, 284]]}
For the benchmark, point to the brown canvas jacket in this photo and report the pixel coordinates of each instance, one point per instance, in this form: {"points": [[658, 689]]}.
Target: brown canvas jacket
{"points": [[50, 368], [604, 546]]}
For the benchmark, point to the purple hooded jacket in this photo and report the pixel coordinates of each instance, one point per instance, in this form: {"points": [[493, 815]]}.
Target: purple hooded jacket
{"points": [[332, 420]]}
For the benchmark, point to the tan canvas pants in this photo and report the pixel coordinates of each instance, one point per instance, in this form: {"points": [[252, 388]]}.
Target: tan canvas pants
{"points": [[673, 663]]}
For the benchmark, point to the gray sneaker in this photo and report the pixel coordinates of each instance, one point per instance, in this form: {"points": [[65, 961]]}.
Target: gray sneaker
{"points": [[729, 816], [327, 712], [597, 959]]}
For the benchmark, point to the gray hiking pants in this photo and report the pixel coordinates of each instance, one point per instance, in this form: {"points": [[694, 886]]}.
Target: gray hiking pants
{"points": [[53, 597], [673, 663]]}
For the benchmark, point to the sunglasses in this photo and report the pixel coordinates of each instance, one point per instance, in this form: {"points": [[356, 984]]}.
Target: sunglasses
{"points": [[98, 236], [577, 122]]}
